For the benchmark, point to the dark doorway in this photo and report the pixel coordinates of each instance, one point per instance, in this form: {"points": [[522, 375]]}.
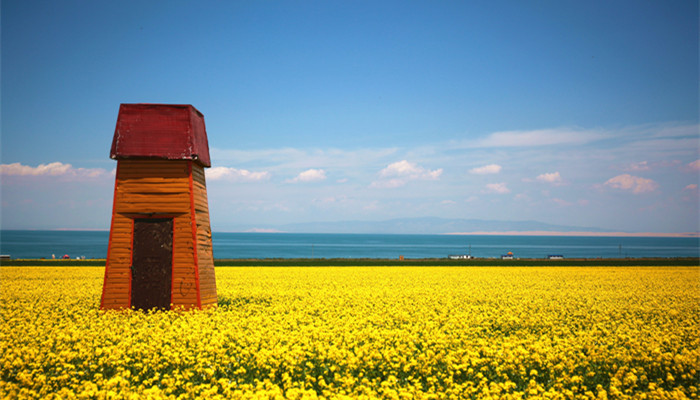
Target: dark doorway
{"points": [[152, 263]]}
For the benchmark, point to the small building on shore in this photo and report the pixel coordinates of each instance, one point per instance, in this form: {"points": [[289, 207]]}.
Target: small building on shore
{"points": [[160, 253]]}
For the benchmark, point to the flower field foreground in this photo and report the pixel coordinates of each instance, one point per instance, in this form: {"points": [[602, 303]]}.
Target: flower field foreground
{"points": [[399, 332]]}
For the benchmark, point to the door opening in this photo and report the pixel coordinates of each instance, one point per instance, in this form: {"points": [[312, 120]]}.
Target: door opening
{"points": [[152, 263]]}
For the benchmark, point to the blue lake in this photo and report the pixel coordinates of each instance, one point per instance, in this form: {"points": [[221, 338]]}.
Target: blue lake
{"points": [[93, 244]]}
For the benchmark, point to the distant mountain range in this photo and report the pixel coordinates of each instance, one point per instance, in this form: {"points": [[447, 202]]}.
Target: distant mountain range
{"points": [[426, 225]]}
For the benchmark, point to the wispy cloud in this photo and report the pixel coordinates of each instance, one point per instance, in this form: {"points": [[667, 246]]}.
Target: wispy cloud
{"points": [[236, 175], [55, 169], [648, 166], [634, 183], [541, 137], [388, 183], [302, 158], [486, 169], [263, 230], [561, 202], [310, 175], [498, 188], [330, 200], [333, 178], [239, 156], [399, 173], [690, 193], [639, 166], [674, 130]]}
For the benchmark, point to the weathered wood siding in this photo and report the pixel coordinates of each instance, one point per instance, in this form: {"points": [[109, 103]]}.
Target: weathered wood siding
{"points": [[205, 257], [116, 292], [165, 189]]}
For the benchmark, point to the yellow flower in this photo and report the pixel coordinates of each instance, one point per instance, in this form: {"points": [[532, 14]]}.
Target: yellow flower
{"points": [[360, 332]]}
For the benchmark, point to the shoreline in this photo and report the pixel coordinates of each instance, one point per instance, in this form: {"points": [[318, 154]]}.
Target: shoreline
{"points": [[395, 262]]}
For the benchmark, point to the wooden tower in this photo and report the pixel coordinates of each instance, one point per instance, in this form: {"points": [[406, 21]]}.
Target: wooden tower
{"points": [[160, 253]]}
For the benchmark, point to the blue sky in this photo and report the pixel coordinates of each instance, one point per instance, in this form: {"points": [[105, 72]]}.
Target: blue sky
{"points": [[576, 113]]}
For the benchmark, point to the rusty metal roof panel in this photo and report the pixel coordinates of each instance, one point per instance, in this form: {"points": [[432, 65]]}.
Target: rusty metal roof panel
{"points": [[160, 131]]}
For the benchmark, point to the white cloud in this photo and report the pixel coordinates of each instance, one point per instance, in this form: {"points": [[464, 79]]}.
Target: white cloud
{"points": [[310, 175], [236, 175], [640, 166], [541, 137], [52, 169], [401, 172], [400, 168], [499, 188], [550, 177], [691, 187], [634, 183], [561, 202], [486, 169], [695, 165], [55, 169]]}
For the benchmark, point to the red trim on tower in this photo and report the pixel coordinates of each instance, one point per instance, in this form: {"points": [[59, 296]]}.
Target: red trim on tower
{"points": [[172, 268], [131, 259], [194, 236]]}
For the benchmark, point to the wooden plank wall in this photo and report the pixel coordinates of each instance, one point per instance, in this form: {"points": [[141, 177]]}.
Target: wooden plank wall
{"points": [[152, 186], [207, 278]]}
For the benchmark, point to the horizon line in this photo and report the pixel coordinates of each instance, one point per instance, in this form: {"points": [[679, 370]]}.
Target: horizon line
{"points": [[472, 233], [580, 233]]}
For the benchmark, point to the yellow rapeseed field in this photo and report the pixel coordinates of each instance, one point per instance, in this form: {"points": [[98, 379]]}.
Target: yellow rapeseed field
{"points": [[361, 332]]}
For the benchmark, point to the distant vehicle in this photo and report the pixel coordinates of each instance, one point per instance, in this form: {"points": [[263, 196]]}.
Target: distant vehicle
{"points": [[555, 257], [462, 256]]}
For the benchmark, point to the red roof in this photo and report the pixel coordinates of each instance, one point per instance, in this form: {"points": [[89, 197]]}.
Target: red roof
{"points": [[160, 131]]}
